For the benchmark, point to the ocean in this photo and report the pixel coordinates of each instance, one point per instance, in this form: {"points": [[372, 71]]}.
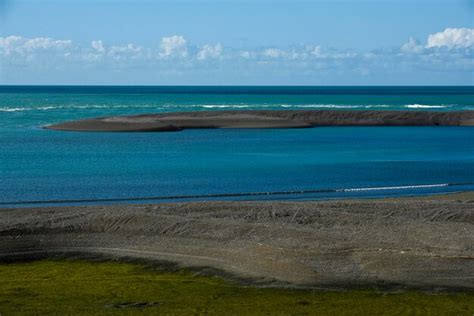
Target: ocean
{"points": [[46, 167]]}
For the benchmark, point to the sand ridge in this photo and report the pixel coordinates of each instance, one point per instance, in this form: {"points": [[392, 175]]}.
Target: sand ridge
{"points": [[177, 121]]}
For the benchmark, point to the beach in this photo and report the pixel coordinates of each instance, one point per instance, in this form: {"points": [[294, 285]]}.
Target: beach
{"points": [[410, 243]]}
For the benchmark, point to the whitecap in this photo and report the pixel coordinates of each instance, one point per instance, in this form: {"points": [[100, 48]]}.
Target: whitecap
{"points": [[13, 109], [424, 106], [223, 106], [401, 187]]}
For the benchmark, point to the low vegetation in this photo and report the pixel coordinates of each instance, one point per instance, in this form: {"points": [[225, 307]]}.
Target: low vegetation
{"points": [[84, 287]]}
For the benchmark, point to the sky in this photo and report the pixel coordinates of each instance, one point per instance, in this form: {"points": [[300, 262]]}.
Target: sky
{"points": [[230, 42]]}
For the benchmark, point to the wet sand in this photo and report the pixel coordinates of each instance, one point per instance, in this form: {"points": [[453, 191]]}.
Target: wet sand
{"points": [[419, 242], [170, 122]]}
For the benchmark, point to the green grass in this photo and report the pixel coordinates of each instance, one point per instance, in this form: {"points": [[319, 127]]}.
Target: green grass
{"points": [[83, 287]]}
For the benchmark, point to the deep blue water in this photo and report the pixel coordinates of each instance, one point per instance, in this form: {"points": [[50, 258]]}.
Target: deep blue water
{"points": [[44, 165]]}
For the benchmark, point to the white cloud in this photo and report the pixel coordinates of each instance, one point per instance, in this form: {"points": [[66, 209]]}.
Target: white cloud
{"points": [[246, 54], [274, 53], [23, 46], [48, 53], [124, 53], [315, 51], [307, 53], [47, 43], [98, 46], [209, 51], [97, 53], [413, 46], [173, 46], [452, 38]]}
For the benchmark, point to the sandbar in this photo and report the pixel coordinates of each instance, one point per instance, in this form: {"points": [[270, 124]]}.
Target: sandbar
{"points": [[177, 121]]}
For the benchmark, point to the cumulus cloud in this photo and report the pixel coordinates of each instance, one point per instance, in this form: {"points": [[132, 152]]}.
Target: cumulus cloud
{"points": [[97, 53], [98, 46], [315, 51], [22, 46], [449, 50], [246, 54], [452, 38], [274, 53], [306, 53], [44, 52], [173, 46], [413, 46], [209, 51], [41, 51], [125, 53]]}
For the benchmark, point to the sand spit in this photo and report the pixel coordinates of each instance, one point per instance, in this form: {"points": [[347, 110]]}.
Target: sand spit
{"points": [[265, 119], [408, 242]]}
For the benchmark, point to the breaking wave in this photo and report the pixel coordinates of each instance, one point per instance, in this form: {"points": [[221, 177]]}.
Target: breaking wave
{"points": [[400, 187], [185, 107], [225, 106], [424, 106]]}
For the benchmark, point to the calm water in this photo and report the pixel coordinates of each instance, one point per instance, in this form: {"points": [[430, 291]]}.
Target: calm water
{"points": [[43, 165]]}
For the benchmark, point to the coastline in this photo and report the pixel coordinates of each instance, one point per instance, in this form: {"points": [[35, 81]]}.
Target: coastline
{"points": [[177, 121], [388, 243]]}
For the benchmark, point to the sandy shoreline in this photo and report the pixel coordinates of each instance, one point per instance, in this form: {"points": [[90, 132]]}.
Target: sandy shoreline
{"points": [[420, 242], [168, 122]]}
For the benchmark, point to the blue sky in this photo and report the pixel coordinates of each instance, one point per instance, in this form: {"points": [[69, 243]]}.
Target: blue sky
{"points": [[237, 42]]}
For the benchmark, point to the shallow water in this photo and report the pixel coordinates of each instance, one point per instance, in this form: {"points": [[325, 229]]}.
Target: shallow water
{"points": [[45, 165]]}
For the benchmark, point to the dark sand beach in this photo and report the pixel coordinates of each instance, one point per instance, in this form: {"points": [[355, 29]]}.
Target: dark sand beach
{"points": [[419, 242], [178, 121]]}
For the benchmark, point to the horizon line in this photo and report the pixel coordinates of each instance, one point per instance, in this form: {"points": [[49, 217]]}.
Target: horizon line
{"points": [[218, 85]]}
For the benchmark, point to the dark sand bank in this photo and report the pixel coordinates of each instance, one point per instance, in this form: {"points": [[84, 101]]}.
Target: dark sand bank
{"points": [[266, 119], [422, 242]]}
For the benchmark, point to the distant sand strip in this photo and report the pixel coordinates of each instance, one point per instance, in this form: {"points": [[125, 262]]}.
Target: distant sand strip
{"points": [[265, 119]]}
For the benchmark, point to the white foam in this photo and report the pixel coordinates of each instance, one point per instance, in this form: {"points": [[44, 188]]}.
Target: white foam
{"points": [[328, 106], [401, 187], [424, 106], [335, 106], [12, 109], [219, 106], [223, 106], [26, 109], [67, 107]]}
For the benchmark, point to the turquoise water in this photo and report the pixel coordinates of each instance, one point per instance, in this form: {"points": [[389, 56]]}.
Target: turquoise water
{"points": [[38, 165]]}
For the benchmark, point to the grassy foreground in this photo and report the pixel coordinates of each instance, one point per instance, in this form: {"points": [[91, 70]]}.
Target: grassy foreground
{"points": [[82, 287]]}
